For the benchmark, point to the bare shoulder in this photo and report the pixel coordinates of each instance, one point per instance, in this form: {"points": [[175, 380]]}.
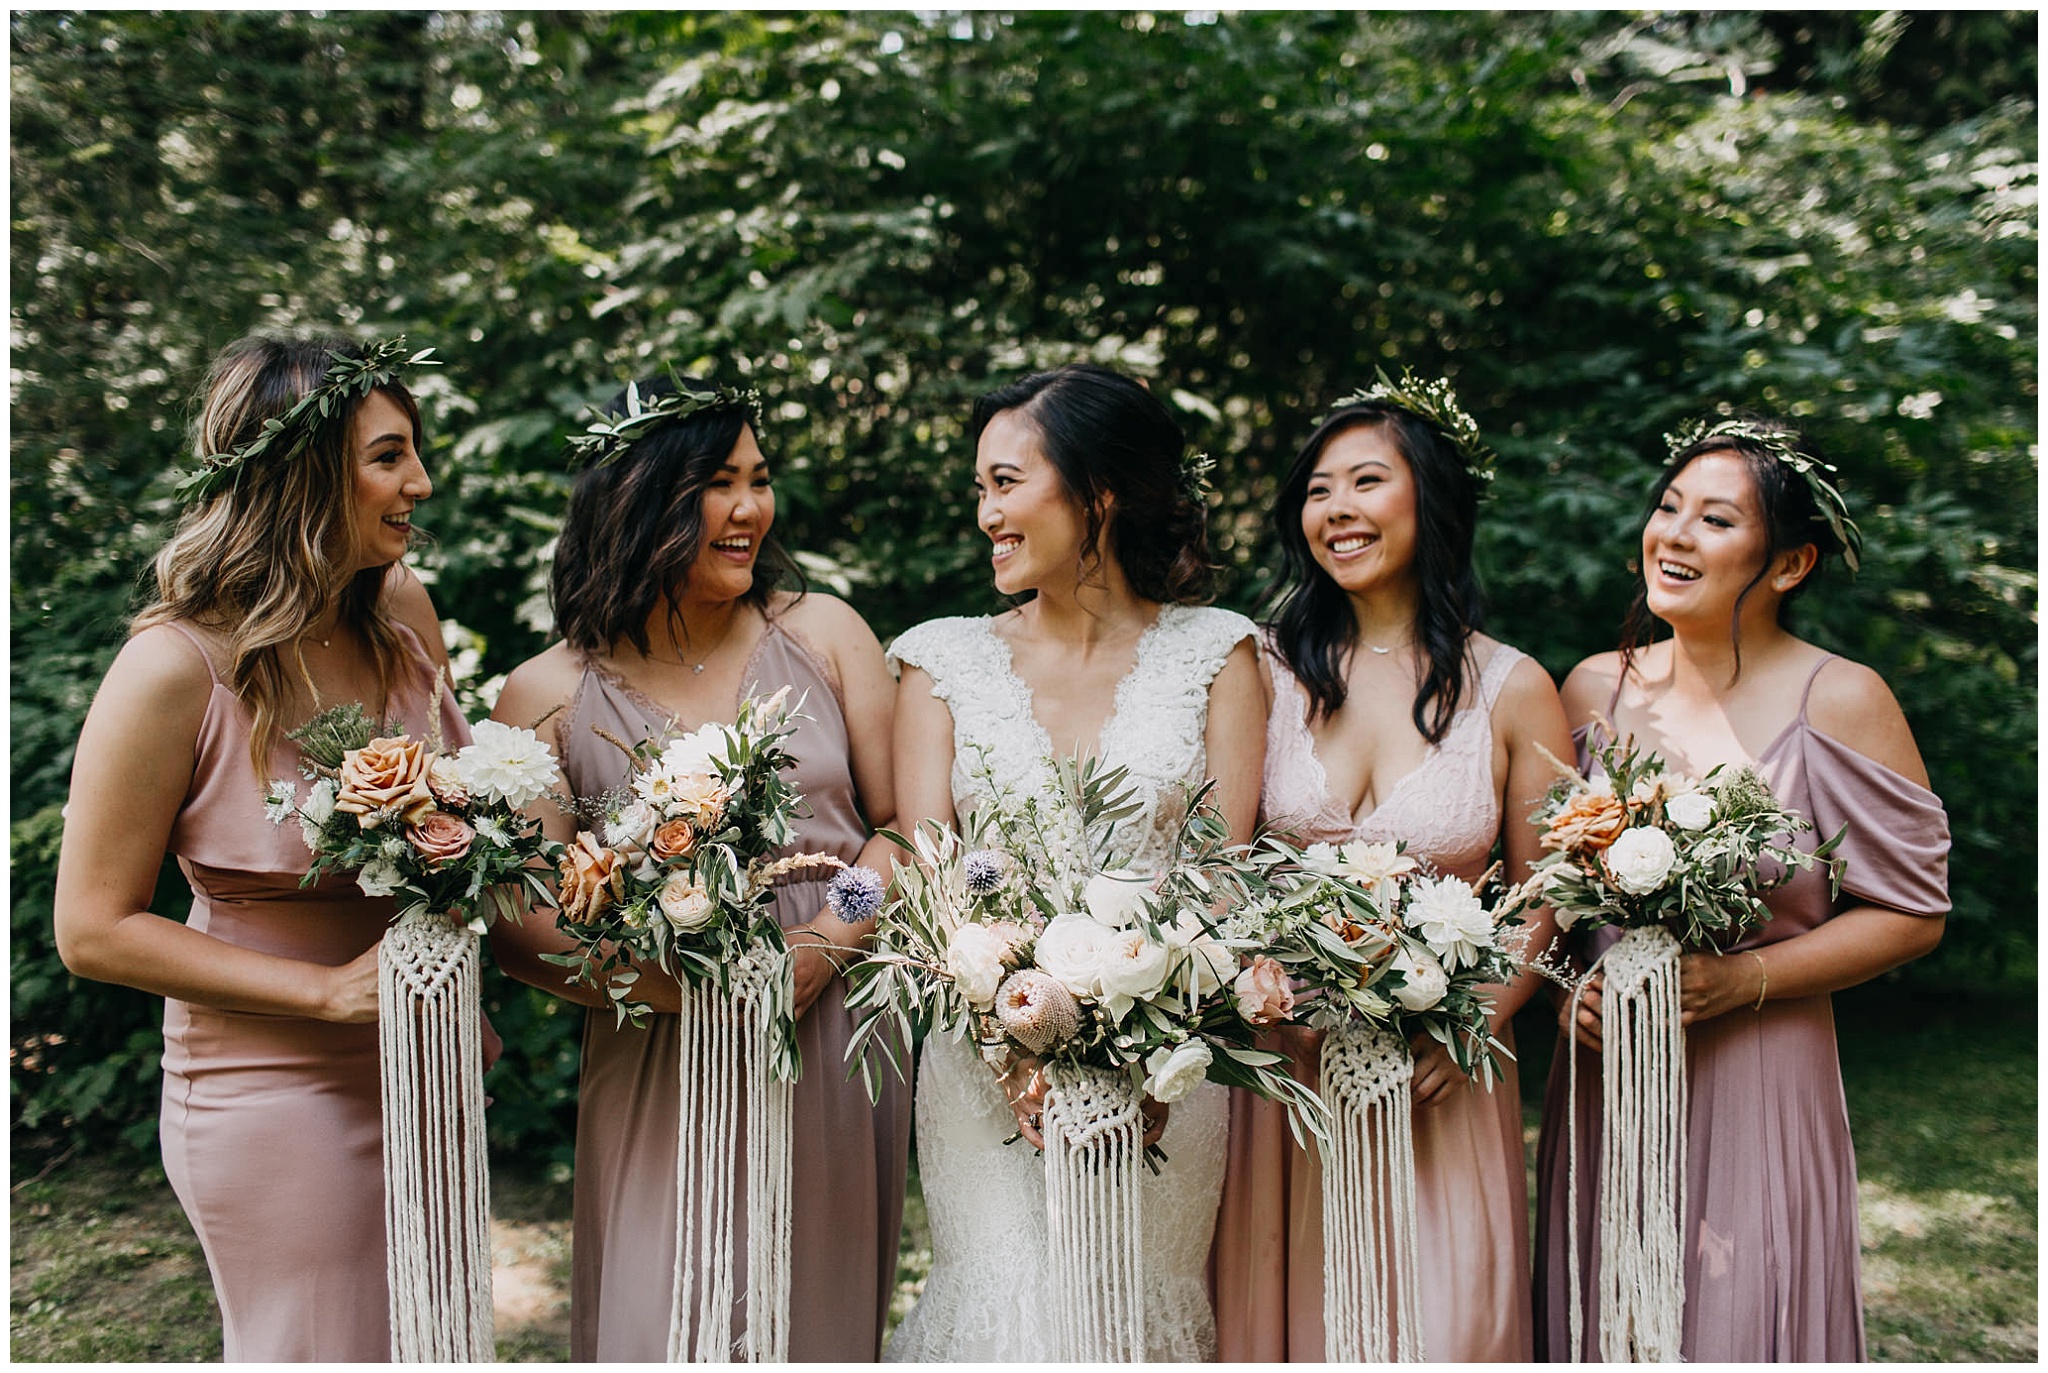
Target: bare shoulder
{"points": [[407, 601], [823, 621], [1851, 704], [162, 662], [1590, 688], [545, 682]]}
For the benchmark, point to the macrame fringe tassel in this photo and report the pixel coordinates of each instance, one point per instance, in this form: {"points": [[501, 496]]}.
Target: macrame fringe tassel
{"points": [[1371, 1273], [732, 1105], [1642, 1156], [1094, 1154], [437, 1204]]}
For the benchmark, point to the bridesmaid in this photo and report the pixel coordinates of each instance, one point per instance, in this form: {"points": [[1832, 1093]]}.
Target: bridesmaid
{"points": [[666, 592], [281, 593], [1394, 718], [1738, 525]]}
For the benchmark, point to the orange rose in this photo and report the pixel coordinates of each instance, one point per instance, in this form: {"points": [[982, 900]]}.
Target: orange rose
{"points": [[674, 840], [439, 838], [385, 774], [592, 877], [1592, 821]]}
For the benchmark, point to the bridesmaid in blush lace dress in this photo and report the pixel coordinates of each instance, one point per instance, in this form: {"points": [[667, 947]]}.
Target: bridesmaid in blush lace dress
{"points": [[281, 594], [1772, 1270], [1393, 718], [665, 594]]}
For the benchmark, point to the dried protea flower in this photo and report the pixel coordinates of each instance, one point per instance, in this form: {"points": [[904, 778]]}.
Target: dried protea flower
{"points": [[1037, 1011]]}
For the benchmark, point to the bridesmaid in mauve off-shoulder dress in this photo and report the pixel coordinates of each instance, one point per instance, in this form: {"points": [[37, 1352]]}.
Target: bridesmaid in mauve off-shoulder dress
{"points": [[663, 590], [1393, 719], [1769, 1239], [272, 1124]]}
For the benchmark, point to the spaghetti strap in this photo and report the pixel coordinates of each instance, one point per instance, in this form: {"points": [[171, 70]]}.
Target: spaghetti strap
{"points": [[1805, 695], [204, 656]]}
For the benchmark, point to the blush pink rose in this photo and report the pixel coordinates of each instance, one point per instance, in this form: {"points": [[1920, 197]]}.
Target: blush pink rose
{"points": [[1263, 996], [439, 838], [673, 840]]}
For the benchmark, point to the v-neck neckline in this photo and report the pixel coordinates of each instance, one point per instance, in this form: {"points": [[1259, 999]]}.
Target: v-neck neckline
{"points": [[655, 710], [1007, 661]]}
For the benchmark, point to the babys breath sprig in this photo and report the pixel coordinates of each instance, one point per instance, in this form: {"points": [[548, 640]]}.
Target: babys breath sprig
{"points": [[609, 435], [1432, 400], [286, 436], [1782, 444]]}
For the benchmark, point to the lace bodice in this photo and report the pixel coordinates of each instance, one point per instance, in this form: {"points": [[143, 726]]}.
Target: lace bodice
{"points": [[1156, 728], [987, 1296], [1448, 808]]}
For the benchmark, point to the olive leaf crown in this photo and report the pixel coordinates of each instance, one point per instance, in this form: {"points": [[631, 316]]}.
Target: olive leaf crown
{"points": [[1431, 400], [611, 434], [1782, 444], [286, 436], [1195, 469]]}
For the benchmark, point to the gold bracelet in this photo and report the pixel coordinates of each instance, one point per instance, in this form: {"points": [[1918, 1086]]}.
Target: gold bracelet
{"points": [[1765, 974]]}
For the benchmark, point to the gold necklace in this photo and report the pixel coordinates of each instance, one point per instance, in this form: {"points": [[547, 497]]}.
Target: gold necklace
{"points": [[697, 668]]}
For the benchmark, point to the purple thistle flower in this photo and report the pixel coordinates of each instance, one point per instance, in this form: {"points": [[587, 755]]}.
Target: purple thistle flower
{"points": [[855, 895], [984, 872]]}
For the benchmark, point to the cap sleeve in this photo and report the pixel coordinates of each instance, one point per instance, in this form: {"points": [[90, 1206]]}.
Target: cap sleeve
{"points": [[1896, 840]]}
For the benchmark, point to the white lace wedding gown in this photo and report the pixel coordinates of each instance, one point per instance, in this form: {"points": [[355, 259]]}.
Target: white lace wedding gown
{"points": [[986, 1299]]}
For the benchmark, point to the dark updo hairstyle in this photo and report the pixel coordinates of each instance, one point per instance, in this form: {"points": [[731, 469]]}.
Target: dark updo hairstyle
{"points": [[1107, 435], [1310, 616], [635, 525], [1792, 518]]}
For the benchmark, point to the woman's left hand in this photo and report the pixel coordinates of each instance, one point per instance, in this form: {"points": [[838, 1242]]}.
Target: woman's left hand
{"points": [[1711, 984], [816, 966], [1436, 1073]]}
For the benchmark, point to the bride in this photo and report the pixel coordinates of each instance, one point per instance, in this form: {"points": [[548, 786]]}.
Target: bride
{"points": [[1082, 491]]}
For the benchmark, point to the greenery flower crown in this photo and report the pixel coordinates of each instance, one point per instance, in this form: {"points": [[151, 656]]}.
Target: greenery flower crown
{"points": [[1782, 444], [1195, 470], [288, 435], [1431, 400], [609, 435]]}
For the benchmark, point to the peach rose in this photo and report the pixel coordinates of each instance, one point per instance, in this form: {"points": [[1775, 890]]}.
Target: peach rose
{"points": [[385, 774], [1593, 820], [592, 877], [1263, 995], [673, 840], [439, 838]]}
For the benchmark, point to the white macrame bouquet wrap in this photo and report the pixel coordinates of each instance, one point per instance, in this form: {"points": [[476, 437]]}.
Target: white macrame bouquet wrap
{"points": [[1642, 1155], [1094, 1156], [1371, 1274], [732, 1141], [437, 1204]]}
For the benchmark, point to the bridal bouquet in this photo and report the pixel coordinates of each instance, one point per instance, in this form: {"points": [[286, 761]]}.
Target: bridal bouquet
{"points": [[1677, 862], [1365, 943], [444, 833], [682, 878], [1023, 936]]}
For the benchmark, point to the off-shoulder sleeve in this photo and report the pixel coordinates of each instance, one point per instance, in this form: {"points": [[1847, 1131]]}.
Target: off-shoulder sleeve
{"points": [[1896, 841]]}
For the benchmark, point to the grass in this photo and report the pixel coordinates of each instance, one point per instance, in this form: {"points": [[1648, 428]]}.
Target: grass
{"points": [[1942, 1100]]}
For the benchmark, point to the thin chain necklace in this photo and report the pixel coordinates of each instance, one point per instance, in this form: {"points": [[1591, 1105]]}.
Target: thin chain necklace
{"points": [[697, 668]]}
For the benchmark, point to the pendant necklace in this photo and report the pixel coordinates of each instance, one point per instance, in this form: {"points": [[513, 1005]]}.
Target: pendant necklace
{"points": [[697, 668]]}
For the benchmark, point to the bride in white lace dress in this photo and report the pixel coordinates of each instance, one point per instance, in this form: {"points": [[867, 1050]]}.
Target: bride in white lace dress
{"points": [[1081, 493]]}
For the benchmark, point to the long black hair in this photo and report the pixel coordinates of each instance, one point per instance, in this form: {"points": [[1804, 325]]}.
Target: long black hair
{"points": [[1106, 434], [636, 524], [1792, 518], [1310, 617]]}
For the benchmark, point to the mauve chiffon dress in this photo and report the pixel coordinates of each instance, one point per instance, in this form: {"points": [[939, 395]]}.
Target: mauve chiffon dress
{"points": [[1772, 1264], [273, 1126], [1472, 1193], [848, 1158]]}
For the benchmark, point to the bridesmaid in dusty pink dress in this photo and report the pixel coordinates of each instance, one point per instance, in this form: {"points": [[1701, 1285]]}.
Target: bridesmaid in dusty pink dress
{"points": [[1772, 1272], [665, 594], [280, 594], [1394, 718]]}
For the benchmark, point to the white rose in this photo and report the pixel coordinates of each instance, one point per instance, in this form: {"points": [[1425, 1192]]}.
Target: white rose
{"points": [[1451, 920], [1692, 811], [1423, 980], [1075, 949], [687, 905], [1116, 901], [975, 958], [1174, 1070], [1641, 859], [1209, 964], [1134, 968]]}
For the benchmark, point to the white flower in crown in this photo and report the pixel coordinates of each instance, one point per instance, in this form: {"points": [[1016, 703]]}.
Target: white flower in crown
{"points": [[506, 763], [1451, 920]]}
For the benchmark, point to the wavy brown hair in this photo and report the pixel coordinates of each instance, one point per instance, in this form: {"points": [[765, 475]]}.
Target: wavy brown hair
{"points": [[260, 561]]}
